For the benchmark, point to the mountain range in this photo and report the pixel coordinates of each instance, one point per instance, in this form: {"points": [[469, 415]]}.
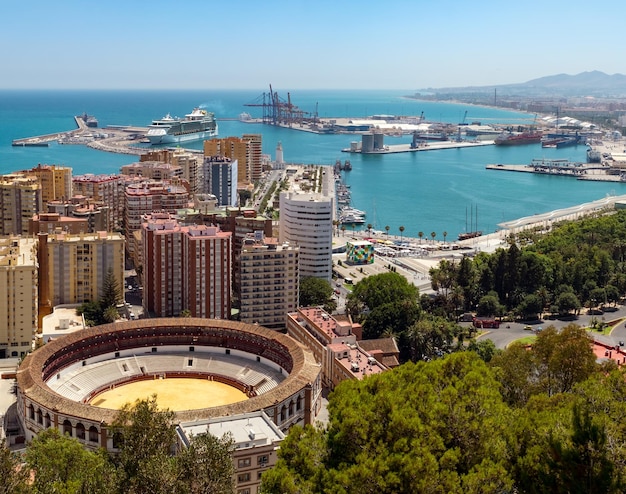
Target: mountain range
{"points": [[593, 83]]}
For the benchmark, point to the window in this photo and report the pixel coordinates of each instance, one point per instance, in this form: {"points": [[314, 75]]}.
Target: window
{"points": [[243, 491], [243, 477], [262, 459], [244, 462]]}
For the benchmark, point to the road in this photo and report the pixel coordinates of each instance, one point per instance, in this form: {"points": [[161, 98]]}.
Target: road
{"points": [[509, 332]]}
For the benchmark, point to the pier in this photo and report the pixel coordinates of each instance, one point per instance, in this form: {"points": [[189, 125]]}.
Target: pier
{"points": [[565, 168], [422, 146], [44, 140]]}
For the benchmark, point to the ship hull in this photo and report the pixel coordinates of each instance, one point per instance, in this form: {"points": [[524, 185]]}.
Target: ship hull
{"points": [[177, 139]]}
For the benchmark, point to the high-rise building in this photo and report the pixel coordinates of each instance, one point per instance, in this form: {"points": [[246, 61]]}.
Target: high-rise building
{"points": [[306, 220], [267, 281], [55, 181], [144, 198], [55, 223], [104, 189], [20, 199], [185, 268], [247, 150], [255, 161], [153, 170], [187, 162], [18, 295], [74, 266], [220, 179]]}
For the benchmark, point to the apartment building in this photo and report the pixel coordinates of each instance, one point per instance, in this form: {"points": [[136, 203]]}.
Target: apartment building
{"points": [[105, 190], [267, 280], [185, 268], [73, 266], [55, 181], [220, 179], [20, 199], [18, 295]]}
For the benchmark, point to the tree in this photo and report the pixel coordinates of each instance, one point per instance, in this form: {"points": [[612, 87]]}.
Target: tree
{"points": [[206, 465], [530, 307], [420, 235], [445, 234], [369, 228], [316, 292], [567, 302], [146, 434], [13, 474], [62, 464], [433, 235], [489, 305], [401, 232], [343, 229], [111, 293], [380, 289], [387, 230]]}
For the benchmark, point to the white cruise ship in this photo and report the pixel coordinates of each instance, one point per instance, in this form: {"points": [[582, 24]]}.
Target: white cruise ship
{"points": [[197, 125]]}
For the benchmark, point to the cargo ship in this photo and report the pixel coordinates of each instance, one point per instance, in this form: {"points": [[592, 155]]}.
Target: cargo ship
{"points": [[511, 139], [197, 125]]}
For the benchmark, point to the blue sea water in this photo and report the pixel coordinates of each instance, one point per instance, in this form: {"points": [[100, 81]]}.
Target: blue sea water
{"points": [[424, 191]]}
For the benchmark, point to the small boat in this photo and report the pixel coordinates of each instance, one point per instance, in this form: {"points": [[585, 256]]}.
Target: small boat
{"points": [[513, 139]]}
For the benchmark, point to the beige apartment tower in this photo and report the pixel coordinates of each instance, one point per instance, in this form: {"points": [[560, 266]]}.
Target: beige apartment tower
{"points": [[76, 265], [55, 181], [18, 295], [20, 199], [247, 150], [268, 281]]}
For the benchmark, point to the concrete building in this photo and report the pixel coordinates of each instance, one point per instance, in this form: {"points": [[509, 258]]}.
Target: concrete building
{"points": [[247, 150], [55, 223], [267, 281], [144, 198], [103, 189], [96, 215], [255, 163], [153, 170], [18, 295], [20, 199], [55, 181], [256, 442], [220, 179], [185, 268], [187, 162], [333, 341], [73, 266], [306, 220]]}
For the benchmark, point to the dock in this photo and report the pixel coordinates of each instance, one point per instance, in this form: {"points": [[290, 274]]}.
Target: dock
{"points": [[423, 146], [580, 171]]}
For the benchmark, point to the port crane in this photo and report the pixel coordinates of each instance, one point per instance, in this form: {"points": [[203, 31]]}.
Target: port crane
{"points": [[277, 111]]}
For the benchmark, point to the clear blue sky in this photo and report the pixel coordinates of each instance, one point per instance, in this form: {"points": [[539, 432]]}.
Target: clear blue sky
{"points": [[324, 44]]}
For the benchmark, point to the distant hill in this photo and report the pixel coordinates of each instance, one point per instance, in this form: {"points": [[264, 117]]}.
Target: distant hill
{"points": [[594, 83]]}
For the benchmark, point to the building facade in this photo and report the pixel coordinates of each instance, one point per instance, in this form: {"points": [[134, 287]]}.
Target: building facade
{"points": [[55, 181], [18, 295], [20, 199], [267, 280], [185, 268], [103, 189], [220, 179], [73, 266], [306, 220], [246, 150]]}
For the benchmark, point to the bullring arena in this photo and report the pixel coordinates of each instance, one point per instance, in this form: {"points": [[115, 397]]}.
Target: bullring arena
{"points": [[198, 368]]}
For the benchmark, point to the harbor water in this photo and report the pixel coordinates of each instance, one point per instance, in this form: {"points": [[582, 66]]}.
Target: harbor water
{"points": [[432, 191]]}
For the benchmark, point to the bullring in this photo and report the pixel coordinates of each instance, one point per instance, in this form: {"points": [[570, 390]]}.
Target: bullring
{"points": [[56, 382]]}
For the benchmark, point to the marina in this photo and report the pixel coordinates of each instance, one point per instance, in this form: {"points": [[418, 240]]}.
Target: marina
{"points": [[566, 168]]}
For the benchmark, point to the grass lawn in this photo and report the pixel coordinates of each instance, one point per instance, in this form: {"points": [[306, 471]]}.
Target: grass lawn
{"points": [[526, 340]]}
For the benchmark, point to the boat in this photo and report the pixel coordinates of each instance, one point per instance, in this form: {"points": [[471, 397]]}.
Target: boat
{"points": [[197, 125], [245, 117], [472, 233], [468, 235], [513, 139]]}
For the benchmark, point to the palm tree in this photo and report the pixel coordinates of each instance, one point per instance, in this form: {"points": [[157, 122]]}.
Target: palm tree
{"points": [[433, 235], [343, 230], [445, 234], [401, 232], [420, 235], [369, 228], [387, 229]]}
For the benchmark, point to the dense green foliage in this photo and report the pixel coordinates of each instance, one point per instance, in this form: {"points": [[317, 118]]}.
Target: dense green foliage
{"points": [[540, 420], [578, 264], [316, 292], [61, 464]]}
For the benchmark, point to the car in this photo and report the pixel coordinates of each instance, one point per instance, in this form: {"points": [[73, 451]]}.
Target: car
{"points": [[528, 328]]}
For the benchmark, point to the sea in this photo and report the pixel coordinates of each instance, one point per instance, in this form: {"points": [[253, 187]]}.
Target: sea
{"points": [[440, 191]]}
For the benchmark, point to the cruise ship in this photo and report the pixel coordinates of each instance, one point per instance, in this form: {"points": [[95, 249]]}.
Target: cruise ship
{"points": [[197, 125]]}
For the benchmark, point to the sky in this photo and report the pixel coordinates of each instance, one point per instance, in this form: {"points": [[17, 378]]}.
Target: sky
{"points": [[323, 44]]}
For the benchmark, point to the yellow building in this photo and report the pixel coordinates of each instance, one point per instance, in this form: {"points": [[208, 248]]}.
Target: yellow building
{"points": [[74, 266], [55, 180], [20, 199], [18, 295], [247, 150]]}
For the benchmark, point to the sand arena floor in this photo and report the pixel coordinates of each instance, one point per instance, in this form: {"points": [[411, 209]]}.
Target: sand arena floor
{"points": [[175, 394]]}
